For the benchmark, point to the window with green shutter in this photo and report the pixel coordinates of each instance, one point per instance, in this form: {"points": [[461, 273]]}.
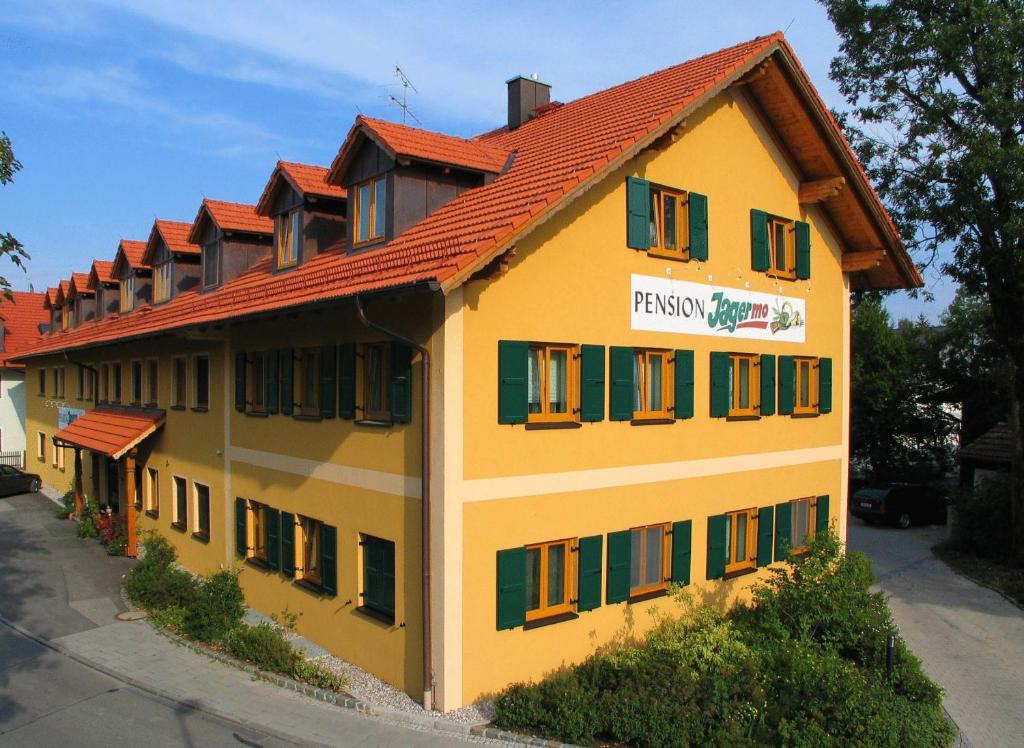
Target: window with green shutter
{"points": [[803, 250], [513, 365], [347, 380], [401, 383], [550, 380], [592, 380], [698, 214], [240, 382], [717, 541], [683, 405], [767, 384], [824, 385], [511, 588], [765, 535], [548, 579], [379, 576], [241, 527], [821, 514], [328, 381], [638, 213], [682, 537], [617, 582], [591, 559], [787, 385], [620, 398]]}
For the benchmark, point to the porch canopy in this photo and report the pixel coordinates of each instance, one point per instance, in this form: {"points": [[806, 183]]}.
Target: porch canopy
{"points": [[110, 431]]}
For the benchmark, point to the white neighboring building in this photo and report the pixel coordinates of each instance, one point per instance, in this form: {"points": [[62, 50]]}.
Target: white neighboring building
{"points": [[19, 325]]}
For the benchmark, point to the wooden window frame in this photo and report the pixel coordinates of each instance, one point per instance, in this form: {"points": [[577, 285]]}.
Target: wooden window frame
{"points": [[287, 239], [355, 191], [812, 516], [301, 542], [152, 491], [572, 355], [642, 362], [152, 381], [666, 560], [177, 520], [126, 289], [301, 372], [544, 609], [750, 562], [256, 530], [116, 383], [658, 248], [65, 318], [789, 271], [136, 385], [162, 281], [58, 382], [753, 409], [194, 382], [209, 248], [199, 531], [80, 384], [256, 386], [41, 446], [179, 382], [384, 414], [813, 366]]}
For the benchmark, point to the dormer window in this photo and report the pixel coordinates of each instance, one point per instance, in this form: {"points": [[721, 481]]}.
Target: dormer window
{"points": [[287, 235], [370, 212], [162, 282], [65, 319], [211, 264], [127, 293]]}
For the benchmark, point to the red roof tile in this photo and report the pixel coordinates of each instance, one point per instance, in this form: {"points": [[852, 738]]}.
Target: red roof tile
{"points": [[111, 431], [307, 179], [131, 252], [175, 234], [21, 319], [62, 292], [102, 271], [401, 141], [230, 217], [50, 298]]}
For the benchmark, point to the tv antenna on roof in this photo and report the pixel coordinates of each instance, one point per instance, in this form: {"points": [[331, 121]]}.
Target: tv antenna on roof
{"points": [[403, 104]]}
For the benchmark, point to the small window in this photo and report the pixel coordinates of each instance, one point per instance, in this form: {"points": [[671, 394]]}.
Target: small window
{"points": [[136, 382], [744, 384], [806, 385], [647, 566], [376, 379], [80, 384], [202, 508], [58, 382], [201, 384], [782, 247], [180, 519], [180, 383], [42, 382], [651, 384], [379, 576], [307, 565], [548, 579], [549, 382], [41, 447], [152, 382], [128, 293], [802, 522], [287, 237], [740, 540], [669, 223], [258, 531], [115, 384], [307, 382], [104, 383], [370, 211], [211, 264], [162, 281], [65, 319], [152, 491], [256, 383]]}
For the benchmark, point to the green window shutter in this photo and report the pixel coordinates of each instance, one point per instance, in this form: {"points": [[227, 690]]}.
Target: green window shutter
{"points": [[716, 547], [638, 213], [767, 384], [620, 397], [287, 544], [273, 387], [684, 384], [240, 381], [682, 538], [783, 530], [591, 382], [511, 588], [328, 385], [787, 385], [513, 361], [619, 553], [821, 515], [275, 538], [698, 226], [824, 385], [329, 559], [401, 382], [719, 385], [590, 559], [287, 372], [379, 575], [765, 535], [760, 255], [803, 250], [347, 380], [241, 537]]}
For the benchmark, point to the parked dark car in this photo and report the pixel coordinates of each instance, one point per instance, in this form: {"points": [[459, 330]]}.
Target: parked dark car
{"points": [[13, 480], [900, 504]]}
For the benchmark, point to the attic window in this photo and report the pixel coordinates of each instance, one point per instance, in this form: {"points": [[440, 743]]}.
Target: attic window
{"points": [[287, 235], [162, 282], [211, 264], [370, 211]]}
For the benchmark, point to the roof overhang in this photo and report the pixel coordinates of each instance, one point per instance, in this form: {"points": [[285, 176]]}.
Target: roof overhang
{"points": [[110, 431], [266, 201]]}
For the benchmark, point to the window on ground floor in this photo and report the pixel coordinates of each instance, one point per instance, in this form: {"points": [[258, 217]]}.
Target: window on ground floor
{"points": [[41, 447], [548, 579], [648, 571], [379, 576], [202, 509], [307, 563], [740, 540], [152, 491], [180, 518], [549, 381]]}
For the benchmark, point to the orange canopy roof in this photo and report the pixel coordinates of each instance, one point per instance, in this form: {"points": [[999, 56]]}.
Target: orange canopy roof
{"points": [[110, 431]]}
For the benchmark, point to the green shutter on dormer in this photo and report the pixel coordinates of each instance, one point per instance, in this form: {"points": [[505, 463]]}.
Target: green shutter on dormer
{"points": [[698, 226], [767, 384], [803, 250], [719, 385], [240, 381], [683, 384], [591, 382], [787, 385], [620, 396], [760, 256], [513, 363], [824, 385], [638, 213]]}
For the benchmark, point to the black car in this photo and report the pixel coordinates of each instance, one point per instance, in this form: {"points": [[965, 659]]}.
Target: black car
{"points": [[900, 504], [13, 480]]}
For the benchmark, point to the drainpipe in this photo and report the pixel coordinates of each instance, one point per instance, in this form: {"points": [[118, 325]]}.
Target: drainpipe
{"points": [[428, 675]]}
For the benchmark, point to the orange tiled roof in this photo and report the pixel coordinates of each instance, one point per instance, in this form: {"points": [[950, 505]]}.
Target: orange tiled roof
{"points": [[21, 319], [62, 292], [175, 234], [133, 253], [102, 271], [230, 217], [400, 141], [307, 179], [557, 155], [79, 284], [111, 431], [50, 298]]}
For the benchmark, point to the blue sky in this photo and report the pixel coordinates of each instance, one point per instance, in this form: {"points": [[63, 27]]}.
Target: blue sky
{"points": [[125, 111]]}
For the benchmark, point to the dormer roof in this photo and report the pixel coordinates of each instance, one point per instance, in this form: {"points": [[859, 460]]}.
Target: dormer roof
{"points": [[404, 143], [230, 217], [131, 253], [79, 285], [62, 292], [307, 180], [175, 234], [102, 271], [50, 298]]}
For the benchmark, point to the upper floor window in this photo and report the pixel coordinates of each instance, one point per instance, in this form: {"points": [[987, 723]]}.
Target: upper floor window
{"points": [[744, 384], [548, 382], [42, 382], [668, 223], [806, 370], [740, 540], [211, 264], [780, 246], [307, 381], [650, 383], [370, 211], [152, 381], [162, 282], [548, 579], [803, 518], [201, 382], [287, 237], [179, 384], [648, 563], [128, 292]]}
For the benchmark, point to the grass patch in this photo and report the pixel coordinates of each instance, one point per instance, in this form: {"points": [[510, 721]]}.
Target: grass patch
{"points": [[1006, 579]]}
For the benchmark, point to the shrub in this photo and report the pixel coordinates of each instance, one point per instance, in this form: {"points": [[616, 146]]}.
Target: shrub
{"points": [[317, 675], [172, 618], [87, 522], [264, 646], [66, 507], [217, 608], [156, 582], [982, 519]]}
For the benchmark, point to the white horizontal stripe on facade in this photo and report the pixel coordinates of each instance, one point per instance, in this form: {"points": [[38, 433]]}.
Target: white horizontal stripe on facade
{"points": [[371, 480], [489, 489]]}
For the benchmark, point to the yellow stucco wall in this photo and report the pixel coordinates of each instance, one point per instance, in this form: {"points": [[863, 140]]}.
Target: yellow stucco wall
{"points": [[570, 282]]}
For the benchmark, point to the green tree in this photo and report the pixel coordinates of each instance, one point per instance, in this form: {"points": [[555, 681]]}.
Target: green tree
{"points": [[937, 97], [9, 246]]}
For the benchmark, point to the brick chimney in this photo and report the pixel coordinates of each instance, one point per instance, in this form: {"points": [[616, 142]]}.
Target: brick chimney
{"points": [[524, 96]]}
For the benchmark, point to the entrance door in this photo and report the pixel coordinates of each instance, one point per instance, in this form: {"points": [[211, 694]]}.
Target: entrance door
{"points": [[113, 486]]}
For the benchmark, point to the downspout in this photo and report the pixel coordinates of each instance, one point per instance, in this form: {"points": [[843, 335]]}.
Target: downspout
{"points": [[428, 674]]}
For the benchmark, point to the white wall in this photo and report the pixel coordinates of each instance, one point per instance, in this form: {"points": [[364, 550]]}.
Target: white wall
{"points": [[12, 410]]}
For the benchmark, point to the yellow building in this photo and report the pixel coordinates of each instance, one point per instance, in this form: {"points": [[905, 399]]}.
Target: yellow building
{"points": [[468, 407]]}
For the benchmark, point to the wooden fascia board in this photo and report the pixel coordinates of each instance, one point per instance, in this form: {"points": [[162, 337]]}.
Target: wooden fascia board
{"points": [[137, 440]]}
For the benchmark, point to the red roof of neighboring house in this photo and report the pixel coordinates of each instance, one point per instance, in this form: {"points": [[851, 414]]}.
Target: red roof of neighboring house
{"points": [[111, 431], [102, 271], [307, 179], [400, 141], [131, 252], [230, 217], [21, 319], [175, 234], [558, 155]]}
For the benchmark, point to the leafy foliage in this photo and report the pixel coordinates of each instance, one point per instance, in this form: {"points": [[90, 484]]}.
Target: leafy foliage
{"points": [[981, 519], [156, 582], [217, 608], [9, 246], [263, 645]]}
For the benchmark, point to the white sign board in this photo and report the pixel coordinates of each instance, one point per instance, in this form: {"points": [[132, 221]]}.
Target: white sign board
{"points": [[666, 305], [67, 416]]}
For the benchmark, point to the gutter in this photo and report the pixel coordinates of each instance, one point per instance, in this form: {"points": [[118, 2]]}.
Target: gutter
{"points": [[428, 673]]}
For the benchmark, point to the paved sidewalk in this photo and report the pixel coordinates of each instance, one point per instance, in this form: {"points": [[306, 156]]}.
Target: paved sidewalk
{"points": [[970, 639]]}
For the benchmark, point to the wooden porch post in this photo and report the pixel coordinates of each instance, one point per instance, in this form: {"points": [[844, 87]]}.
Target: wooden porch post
{"points": [[132, 547], [79, 503]]}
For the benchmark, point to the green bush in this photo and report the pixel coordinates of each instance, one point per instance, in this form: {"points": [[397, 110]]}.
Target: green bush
{"points": [[172, 618], [982, 519], [66, 506], [317, 676], [264, 646], [87, 522], [217, 608], [156, 582]]}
